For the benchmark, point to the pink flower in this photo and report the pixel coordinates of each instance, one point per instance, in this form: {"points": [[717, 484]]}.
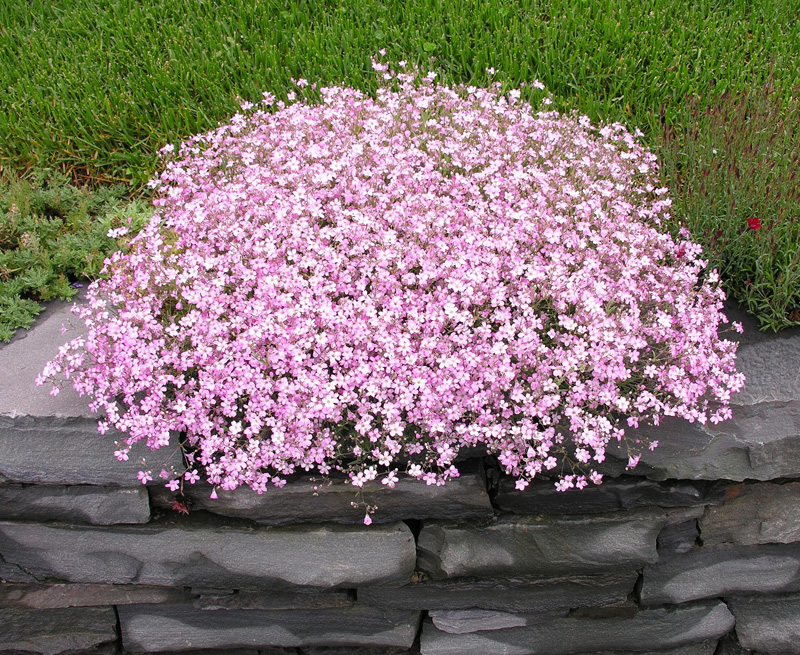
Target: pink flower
{"points": [[173, 485], [144, 477], [319, 289]]}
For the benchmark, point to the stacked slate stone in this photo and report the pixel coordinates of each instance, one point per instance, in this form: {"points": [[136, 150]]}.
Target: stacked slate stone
{"points": [[694, 552]]}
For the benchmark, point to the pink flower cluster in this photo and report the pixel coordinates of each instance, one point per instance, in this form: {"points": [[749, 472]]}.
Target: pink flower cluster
{"points": [[370, 284]]}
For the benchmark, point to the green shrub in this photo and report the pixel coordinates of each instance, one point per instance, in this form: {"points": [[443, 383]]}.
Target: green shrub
{"points": [[51, 235]]}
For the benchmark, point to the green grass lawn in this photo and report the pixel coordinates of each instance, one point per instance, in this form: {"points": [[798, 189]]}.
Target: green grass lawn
{"points": [[94, 88]]}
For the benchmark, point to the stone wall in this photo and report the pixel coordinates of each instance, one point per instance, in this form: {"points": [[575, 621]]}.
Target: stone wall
{"points": [[694, 552]]}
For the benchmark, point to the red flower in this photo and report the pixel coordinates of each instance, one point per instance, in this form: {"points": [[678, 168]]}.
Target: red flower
{"points": [[754, 223]]}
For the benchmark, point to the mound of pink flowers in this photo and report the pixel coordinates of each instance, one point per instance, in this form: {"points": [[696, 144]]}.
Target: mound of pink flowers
{"points": [[371, 284]]}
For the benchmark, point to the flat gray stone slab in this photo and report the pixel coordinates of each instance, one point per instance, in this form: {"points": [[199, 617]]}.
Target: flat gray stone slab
{"points": [[204, 553], [22, 360], [768, 625], [53, 631], [47, 439], [541, 545], [760, 513], [53, 450], [76, 504], [311, 499], [760, 442], [52, 596], [659, 629], [148, 628], [518, 595], [611, 496], [711, 572]]}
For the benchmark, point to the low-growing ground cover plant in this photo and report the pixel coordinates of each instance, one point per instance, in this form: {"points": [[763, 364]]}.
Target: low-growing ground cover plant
{"points": [[53, 234], [370, 284]]}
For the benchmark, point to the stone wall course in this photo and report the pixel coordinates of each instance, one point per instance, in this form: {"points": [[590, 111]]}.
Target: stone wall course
{"points": [[174, 553], [75, 504], [313, 499], [147, 628], [719, 571], [51, 596], [768, 625], [541, 595], [54, 631], [54, 450], [613, 495], [541, 545], [660, 629], [758, 513]]}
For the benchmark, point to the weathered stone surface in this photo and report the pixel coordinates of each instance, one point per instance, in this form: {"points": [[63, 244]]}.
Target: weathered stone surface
{"points": [[754, 514], [768, 625], [199, 551], [22, 360], [457, 622], [611, 496], [761, 442], [50, 596], [76, 504], [313, 500], [541, 545], [677, 538], [729, 645], [540, 595], [713, 572], [49, 439], [56, 630], [659, 629], [147, 628], [702, 648], [273, 600], [69, 450]]}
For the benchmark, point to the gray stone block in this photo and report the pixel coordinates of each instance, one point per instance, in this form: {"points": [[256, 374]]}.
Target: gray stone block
{"points": [[22, 360], [69, 450], [51, 596], [768, 625], [612, 495], [540, 595], [76, 504], [541, 545], [761, 442], [53, 631], [198, 551], [148, 628], [754, 514], [311, 499], [660, 629], [710, 572]]}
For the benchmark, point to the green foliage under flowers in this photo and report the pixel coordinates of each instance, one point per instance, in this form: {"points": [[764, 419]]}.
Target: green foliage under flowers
{"points": [[733, 170], [52, 234]]}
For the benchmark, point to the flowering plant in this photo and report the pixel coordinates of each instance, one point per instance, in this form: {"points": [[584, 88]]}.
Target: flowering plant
{"points": [[370, 284]]}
